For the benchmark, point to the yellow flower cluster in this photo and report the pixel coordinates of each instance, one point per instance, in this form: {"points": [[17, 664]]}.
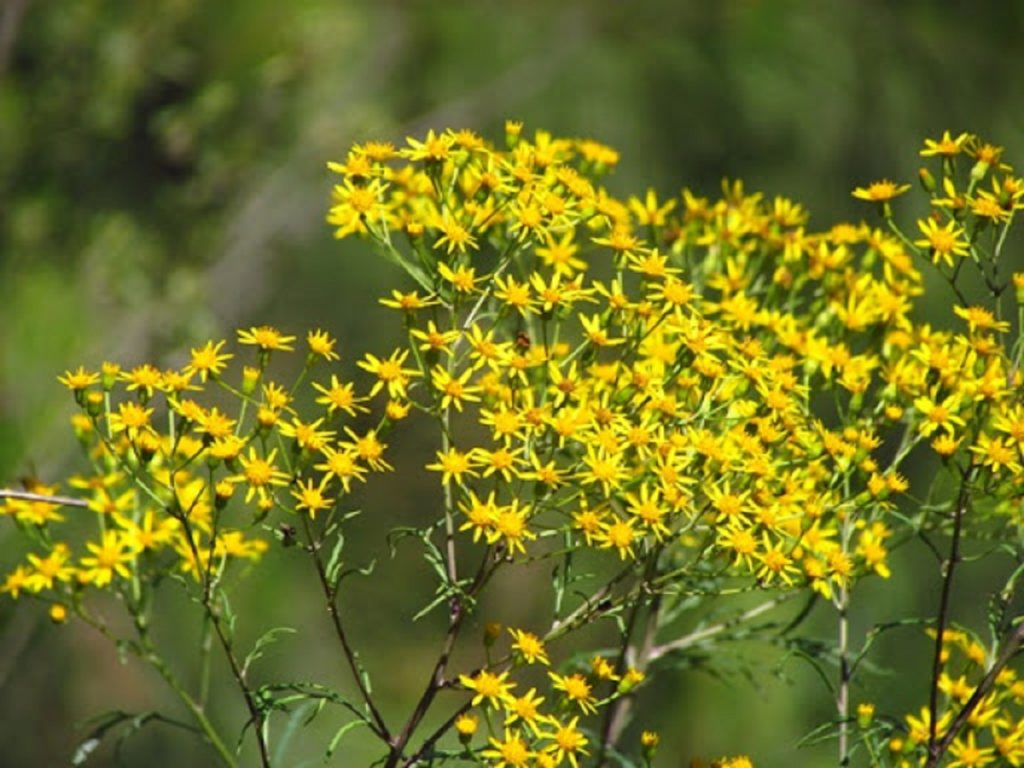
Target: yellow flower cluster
{"points": [[683, 386], [165, 461], [657, 393], [535, 734], [993, 734]]}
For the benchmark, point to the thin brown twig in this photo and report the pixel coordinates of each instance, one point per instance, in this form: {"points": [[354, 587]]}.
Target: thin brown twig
{"points": [[488, 565], [378, 725], [256, 715], [1010, 648], [617, 712], [63, 501], [962, 502]]}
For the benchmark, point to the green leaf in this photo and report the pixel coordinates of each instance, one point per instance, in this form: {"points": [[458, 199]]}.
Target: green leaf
{"points": [[339, 735], [295, 720], [265, 640]]}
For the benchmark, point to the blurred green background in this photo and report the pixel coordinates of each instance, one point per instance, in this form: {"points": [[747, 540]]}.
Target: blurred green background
{"points": [[163, 180]]}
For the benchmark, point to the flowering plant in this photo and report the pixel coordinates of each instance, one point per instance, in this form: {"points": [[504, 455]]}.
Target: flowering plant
{"points": [[695, 414]]}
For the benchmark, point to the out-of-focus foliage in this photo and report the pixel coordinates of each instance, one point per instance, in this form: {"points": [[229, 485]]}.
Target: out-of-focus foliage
{"points": [[161, 176]]}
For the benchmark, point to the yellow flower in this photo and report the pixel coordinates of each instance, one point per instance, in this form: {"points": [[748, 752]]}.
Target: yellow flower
{"points": [[880, 191], [78, 380], [207, 360], [408, 302], [339, 396], [111, 556], [144, 378], [489, 687], [321, 344], [454, 237], [560, 254], [510, 752], [389, 373], [16, 581], [370, 449], [980, 319], [130, 418], [510, 523], [946, 146], [944, 242], [529, 647], [996, 453], [311, 497], [307, 436], [480, 515], [525, 710], [938, 415], [567, 742], [433, 148], [454, 390], [576, 689], [343, 463], [435, 340], [453, 464], [968, 754], [266, 338], [466, 725], [602, 467], [260, 474]]}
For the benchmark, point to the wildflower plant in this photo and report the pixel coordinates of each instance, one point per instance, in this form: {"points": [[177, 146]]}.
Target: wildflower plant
{"points": [[696, 414]]}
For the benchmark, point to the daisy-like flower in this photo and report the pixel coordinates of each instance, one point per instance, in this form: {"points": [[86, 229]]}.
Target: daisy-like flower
{"points": [[321, 344], [312, 498], [510, 752], [981, 319], [343, 463], [109, 558], [260, 474], [525, 710], [433, 149], [339, 396], [576, 689], [947, 146], [511, 524], [454, 390], [880, 191], [145, 378], [208, 361], [454, 237], [78, 380], [529, 647], [434, 339], [130, 418], [567, 743], [489, 687], [944, 241], [408, 302], [389, 372], [266, 338], [307, 435], [453, 464]]}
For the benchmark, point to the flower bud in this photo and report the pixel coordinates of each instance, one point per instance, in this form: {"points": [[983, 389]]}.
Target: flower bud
{"points": [[649, 743], [250, 378], [865, 714], [466, 725], [927, 180], [492, 631]]}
